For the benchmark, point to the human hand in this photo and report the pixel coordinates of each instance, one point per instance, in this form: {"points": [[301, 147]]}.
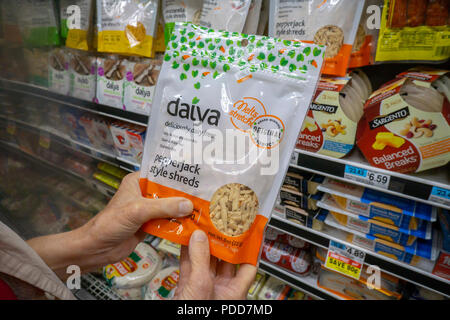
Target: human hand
{"points": [[203, 277], [113, 233]]}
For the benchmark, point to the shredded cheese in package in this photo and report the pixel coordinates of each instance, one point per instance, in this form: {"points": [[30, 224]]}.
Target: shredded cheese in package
{"points": [[224, 121]]}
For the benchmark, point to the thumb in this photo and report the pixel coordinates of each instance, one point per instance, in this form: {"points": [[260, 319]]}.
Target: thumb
{"points": [[142, 210]]}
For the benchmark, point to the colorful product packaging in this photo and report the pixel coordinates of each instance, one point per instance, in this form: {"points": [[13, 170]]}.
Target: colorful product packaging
{"points": [[302, 181], [330, 23], [111, 74], [127, 26], [225, 83], [58, 71], [294, 259], [330, 125], [281, 237], [414, 30], [76, 19], [83, 75], [128, 140], [299, 200], [405, 127]]}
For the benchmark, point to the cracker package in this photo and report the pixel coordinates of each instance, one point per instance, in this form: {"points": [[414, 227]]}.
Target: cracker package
{"points": [[77, 23], [414, 30], [139, 87], [330, 23], [332, 119], [225, 14], [58, 71], [225, 86], [127, 26], [365, 45], [82, 71], [405, 127], [110, 78]]}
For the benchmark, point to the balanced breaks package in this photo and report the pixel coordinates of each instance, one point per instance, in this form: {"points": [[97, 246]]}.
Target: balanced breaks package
{"points": [[225, 118]]}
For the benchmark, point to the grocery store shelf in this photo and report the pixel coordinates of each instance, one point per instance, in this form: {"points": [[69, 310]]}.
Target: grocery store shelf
{"points": [[33, 90], [306, 284], [417, 186], [399, 269], [94, 184], [76, 145], [94, 289]]}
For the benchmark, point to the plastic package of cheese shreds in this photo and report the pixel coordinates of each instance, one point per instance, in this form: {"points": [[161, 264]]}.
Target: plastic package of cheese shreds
{"points": [[330, 23], [225, 14], [225, 86], [412, 30], [77, 32], [127, 26]]}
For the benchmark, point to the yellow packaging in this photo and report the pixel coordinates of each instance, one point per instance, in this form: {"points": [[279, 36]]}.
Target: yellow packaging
{"points": [[127, 26]]}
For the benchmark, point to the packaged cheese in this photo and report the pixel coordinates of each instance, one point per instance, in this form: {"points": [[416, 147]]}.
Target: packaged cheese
{"points": [[163, 284], [405, 24], [299, 200], [330, 125], [76, 19], [402, 234], [281, 237], [58, 71], [330, 23], [225, 84], [274, 289], [293, 259], [302, 181], [128, 140], [136, 270], [224, 14], [256, 286], [82, 72], [140, 84], [127, 26], [377, 205], [405, 127]]}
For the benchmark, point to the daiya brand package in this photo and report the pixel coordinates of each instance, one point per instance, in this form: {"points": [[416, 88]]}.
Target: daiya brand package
{"points": [[111, 72], [128, 140], [405, 234], [331, 123], [251, 24], [127, 26], [412, 30], [428, 249], [83, 75], [225, 14], [76, 20], [405, 127], [58, 71], [38, 22], [140, 84], [330, 23], [225, 84], [136, 270], [365, 45], [377, 205]]}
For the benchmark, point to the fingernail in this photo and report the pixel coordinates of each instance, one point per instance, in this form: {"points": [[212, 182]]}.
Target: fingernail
{"points": [[199, 236], [185, 207]]}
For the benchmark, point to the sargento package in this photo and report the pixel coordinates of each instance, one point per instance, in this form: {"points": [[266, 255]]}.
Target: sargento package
{"points": [[225, 86], [127, 26], [330, 125], [225, 14], [405, 126], [330, 23]]}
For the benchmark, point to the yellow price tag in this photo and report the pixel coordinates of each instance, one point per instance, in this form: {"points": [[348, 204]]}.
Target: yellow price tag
{"points": [[345, 259], [44, 140]]}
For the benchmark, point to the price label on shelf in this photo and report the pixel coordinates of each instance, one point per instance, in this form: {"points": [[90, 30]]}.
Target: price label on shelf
{"points": [[440, 195], [44, 140], [345, 259], [11, 128], [294, 158], [367, 176]]}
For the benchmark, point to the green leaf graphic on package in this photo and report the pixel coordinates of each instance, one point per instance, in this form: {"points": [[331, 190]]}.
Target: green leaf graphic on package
{"points": [[205, 54]]}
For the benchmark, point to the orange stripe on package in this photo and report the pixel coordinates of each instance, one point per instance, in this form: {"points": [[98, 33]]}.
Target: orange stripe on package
{"points": [[405, 127], [221, 141]]}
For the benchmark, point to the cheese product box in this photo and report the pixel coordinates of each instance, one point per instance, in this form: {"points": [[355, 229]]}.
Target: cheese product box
{"points": [[299, 200], [302, 181]]}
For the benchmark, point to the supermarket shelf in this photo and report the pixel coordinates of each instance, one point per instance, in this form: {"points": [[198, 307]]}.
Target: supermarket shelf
{"points": [[78, 146], [40, 92], [416, 186], [393, 267], [94, 184], [94, 289], [306, 284]]}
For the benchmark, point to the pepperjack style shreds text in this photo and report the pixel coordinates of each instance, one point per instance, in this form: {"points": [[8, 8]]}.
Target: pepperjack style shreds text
{"points": [[225, 118]]}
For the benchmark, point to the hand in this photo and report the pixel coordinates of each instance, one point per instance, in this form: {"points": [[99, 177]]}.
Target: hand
{"points": [[203, 277], [112, 234]]}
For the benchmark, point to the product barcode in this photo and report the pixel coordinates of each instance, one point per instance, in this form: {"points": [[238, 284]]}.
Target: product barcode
{"points": [[442, 51]]}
